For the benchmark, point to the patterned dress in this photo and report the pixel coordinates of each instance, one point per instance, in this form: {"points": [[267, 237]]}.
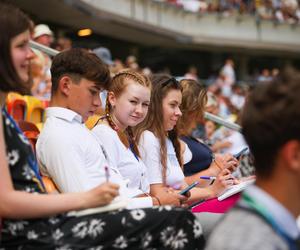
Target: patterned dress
{"points": [[153, 228]]}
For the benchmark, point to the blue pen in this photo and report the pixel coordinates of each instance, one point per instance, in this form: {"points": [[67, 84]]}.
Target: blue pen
{"points": [[208, 177]]}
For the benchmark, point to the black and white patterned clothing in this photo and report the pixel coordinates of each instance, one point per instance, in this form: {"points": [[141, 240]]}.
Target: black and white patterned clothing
{"points": [[153, 228]]}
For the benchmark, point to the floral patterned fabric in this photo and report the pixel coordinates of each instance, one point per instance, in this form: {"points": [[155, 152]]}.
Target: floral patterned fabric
{"points": [[153, 228]]}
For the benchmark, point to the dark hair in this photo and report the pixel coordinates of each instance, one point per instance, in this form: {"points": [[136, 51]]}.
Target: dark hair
{"points": [[271, 118], [12, 23], [77, 64], [162, 84]]}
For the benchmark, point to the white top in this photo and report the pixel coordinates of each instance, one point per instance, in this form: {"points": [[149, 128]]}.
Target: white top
{"points": [[150, 153], [119, 156], [69, 153]]}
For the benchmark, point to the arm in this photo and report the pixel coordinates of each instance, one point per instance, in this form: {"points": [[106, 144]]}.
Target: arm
{"points": [[226, 161], [40, 205], [149, 149]]}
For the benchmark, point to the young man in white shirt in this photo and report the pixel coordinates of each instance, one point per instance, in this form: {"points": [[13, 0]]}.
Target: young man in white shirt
{"points": [[265, 217]]}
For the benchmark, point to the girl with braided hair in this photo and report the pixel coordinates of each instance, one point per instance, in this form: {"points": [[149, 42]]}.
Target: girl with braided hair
{"points": [[127, 104]]}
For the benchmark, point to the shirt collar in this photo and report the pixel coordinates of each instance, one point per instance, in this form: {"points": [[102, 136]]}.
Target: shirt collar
{"points": [[279, 213], [63, 113]]}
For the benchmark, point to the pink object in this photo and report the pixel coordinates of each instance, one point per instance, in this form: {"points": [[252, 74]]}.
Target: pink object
{"points": [[215, 206]]}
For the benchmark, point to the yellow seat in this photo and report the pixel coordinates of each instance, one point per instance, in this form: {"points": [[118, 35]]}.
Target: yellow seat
{"points": [[91, 121], [49, 185], [35, 109]]}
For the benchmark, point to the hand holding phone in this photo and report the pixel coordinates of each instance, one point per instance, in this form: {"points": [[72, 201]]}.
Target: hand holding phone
{"points": [[187, 189], [242, 152]]}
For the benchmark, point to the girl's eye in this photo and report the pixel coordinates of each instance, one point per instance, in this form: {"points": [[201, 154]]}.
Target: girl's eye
{"points": [[146, 104], [93, 92], [133, 102]]}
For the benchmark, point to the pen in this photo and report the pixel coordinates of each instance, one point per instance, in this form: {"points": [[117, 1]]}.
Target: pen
{"points": [[208, 177], [106, 173]]}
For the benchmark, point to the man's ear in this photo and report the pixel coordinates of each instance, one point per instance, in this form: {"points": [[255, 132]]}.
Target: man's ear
{"points": [[111, 98], [291, 154], [65, 85]]}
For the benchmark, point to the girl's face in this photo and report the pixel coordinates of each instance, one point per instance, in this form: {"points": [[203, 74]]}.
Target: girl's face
{"points": [[130, 107], [21, 55], [171, 110]]}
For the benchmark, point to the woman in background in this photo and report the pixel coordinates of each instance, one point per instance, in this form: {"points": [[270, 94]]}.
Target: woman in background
{"points": [[203, 161]]}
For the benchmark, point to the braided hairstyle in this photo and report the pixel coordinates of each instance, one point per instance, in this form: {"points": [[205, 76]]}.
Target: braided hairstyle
{"points": [[118, 86]]}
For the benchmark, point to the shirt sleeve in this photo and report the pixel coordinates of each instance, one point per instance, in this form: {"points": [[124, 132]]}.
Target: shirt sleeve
{"points": [[150, 153]]}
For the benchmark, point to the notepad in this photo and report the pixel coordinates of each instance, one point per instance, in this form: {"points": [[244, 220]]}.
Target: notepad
{"points": [[235, 189], [117, 203]]}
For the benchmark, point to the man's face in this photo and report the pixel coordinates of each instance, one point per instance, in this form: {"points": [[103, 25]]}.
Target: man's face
{"points": [[84, 98]]}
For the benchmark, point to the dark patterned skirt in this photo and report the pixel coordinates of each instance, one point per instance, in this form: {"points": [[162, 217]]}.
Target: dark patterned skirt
{"points": [[151, 228]]}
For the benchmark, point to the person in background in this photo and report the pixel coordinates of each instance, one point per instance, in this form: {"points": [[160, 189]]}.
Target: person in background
{"points": [[203, 161], [105, 55], [265, 217]]}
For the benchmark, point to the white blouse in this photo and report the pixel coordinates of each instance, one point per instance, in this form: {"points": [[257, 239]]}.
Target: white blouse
{"points": [[150, 153], [130, 167]]}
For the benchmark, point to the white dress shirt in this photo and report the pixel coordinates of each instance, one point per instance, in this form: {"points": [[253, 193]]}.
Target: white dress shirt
{"points": [[71, 155], [129, 165], [149, 147]]}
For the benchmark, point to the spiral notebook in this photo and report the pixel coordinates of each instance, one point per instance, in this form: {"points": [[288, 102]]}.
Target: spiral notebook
{"points": [[235, 189], [117, 203]]}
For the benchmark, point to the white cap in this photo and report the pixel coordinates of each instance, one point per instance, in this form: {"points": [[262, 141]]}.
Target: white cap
{"points": [[42, 29]]}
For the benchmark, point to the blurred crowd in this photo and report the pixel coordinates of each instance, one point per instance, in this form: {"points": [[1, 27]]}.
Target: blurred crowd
{"points": [[276, 10]]}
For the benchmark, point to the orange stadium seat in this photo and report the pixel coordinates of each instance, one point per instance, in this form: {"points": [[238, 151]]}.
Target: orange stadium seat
{"points": [[30, 130], [16, 106]]}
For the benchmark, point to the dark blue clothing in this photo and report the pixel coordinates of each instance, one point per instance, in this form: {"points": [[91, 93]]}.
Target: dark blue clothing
{"points": [[202, 156]]}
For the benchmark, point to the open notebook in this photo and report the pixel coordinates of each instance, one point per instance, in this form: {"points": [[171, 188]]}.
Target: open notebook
{"points": [[235, 189], [117, 203]]}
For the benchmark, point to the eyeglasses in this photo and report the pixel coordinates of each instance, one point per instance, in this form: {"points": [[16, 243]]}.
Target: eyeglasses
{"points": [[170, 80]]}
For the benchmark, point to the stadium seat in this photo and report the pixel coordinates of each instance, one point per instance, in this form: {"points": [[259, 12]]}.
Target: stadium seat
{"points": [[35, 109], [49, 185], [91, 121], [30, 130], [16, 106]]}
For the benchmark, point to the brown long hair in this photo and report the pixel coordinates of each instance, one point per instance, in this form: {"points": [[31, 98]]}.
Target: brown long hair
{"points": [[194, 98], [13, 22], [162, 84], [118, 86]]}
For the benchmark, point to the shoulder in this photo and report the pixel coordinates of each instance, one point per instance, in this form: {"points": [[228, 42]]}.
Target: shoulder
{"points": [[241, 229], [148, 137], [103, 129]]}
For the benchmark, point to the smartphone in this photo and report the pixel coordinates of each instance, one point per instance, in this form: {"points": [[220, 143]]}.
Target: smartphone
{"points": [[184, 191], [239, 154]]}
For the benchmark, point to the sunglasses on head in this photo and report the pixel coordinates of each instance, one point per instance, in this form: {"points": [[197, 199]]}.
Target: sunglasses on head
{"points": [[170, 80]]}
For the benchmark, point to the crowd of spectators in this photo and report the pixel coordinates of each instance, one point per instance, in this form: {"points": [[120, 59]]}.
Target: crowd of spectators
{"points": [[276, 10]]}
